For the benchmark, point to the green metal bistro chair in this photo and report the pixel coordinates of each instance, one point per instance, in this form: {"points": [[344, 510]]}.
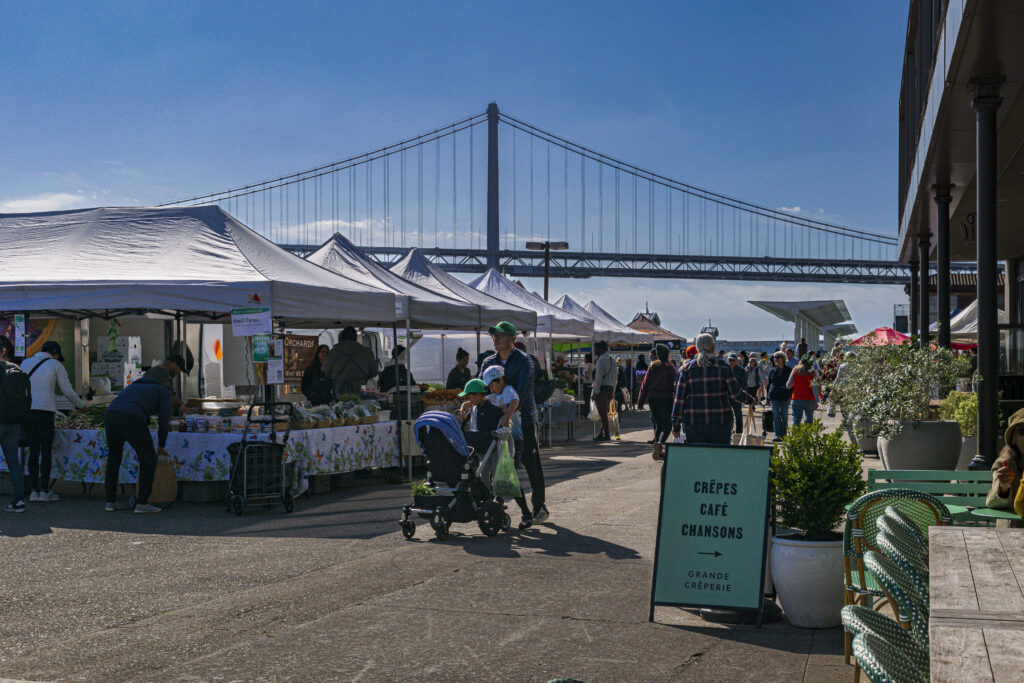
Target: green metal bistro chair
{"points": [[917, 575], [911, 607], [858, 620], [907, 542], [883, 663], [910, 526], [859, 537]]}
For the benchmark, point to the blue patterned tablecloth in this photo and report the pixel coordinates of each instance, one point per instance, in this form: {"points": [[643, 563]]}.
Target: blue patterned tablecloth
{"points": [[81, 454]]}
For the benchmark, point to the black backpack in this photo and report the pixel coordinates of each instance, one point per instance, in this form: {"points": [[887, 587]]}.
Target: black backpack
{"points": [[15, 393]]}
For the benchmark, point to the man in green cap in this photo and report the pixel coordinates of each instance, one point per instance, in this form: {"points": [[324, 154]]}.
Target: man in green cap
{"points": [[519, 374]]}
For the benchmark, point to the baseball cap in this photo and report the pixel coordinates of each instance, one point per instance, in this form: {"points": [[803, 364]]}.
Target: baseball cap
{"points": [[179, 361], [503, 328], [53, 348], [474, 386], [492, 373], [733, 356]]}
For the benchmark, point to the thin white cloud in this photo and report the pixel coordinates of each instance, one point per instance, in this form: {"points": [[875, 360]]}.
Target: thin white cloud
{"points": [[789, 209], [49, 201]]}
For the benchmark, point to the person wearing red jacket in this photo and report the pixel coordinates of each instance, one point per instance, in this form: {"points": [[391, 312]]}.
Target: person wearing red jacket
{"points": [[659, 388]]}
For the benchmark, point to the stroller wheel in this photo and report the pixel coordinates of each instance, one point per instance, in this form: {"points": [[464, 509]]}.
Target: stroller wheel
{"points": [[237, 505], [506, 521], [441, 531], [289, 502], [408, 529], [491, 518]]}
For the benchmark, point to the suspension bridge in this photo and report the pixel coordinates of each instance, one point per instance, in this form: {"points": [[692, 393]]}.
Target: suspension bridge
{"points": [[473, 193]]}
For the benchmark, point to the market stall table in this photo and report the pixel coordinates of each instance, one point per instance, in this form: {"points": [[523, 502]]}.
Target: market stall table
{"points": [[976, 624], [80, 455]]}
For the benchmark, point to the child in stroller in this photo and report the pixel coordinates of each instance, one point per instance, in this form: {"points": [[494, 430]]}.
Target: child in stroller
{"points": [[461, 489]]}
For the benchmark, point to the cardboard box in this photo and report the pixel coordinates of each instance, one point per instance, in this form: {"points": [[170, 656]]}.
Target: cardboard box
{"points": [[129, 348]]}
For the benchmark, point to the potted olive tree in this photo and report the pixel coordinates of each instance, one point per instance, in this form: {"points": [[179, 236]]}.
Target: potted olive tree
{"points": [[891, 388], [815, 475], [962, 406]]}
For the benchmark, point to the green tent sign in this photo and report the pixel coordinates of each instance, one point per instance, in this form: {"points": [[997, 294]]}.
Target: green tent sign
{"points": [[712, 527]]}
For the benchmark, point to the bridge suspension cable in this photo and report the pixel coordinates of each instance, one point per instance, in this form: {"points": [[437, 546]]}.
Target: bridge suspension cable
{"points": [[611, 212]]}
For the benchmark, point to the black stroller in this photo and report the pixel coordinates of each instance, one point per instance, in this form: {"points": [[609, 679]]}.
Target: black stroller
{"points": [[459, 478]]}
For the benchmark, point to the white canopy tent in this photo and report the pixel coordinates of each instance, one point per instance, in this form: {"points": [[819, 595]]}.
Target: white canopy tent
{"points": [[616, 331], [552, 321], [418, 269], [418, 306], [196, 262], [963, 327]]}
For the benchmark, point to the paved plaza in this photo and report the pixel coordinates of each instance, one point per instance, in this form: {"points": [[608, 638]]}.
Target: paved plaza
{"points": [[333, 592]]}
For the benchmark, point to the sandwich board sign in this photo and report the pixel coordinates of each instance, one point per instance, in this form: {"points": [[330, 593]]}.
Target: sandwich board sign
{"points": [[712, 528]]}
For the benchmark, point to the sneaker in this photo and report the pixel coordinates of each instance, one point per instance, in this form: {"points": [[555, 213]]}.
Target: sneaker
{"points": [[16, 507], [34, 497], [618, 438], [540, 515], [110, 507], [526, 522], [146, 509], [48, 497], [602, 437], [650, 441]]}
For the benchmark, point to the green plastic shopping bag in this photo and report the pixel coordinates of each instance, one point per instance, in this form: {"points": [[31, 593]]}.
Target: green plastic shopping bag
{"points": [[506, 481]]}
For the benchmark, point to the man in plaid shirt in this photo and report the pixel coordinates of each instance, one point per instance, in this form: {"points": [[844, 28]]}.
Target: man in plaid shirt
{"points": [[705, 392]]}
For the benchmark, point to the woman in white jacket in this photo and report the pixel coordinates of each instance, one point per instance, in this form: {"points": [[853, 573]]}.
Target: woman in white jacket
{"points": [[46, 372]]}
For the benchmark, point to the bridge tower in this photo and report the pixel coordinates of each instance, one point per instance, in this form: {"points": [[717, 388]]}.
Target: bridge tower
{"points": [[493, 228]]}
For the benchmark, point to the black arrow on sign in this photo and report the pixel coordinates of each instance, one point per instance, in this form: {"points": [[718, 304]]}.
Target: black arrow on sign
{"points": [[716, 553]]}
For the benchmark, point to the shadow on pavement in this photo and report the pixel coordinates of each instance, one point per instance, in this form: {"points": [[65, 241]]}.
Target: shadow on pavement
{"points": [[363, 511]]}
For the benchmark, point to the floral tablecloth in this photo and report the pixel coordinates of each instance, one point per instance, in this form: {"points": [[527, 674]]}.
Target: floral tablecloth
{"points": [[81, 455]]}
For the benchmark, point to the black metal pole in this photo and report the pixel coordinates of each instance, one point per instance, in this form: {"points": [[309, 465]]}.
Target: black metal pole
{"points": [[924, 247], [493, 231], [942, 199], [912, 322], [986, 102], [547, 265]]}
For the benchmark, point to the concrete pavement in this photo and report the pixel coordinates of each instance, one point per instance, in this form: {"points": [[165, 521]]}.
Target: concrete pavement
{"points": [[333, 592]]}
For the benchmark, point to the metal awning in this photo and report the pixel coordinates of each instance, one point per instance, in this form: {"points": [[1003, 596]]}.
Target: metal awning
{"points": [[821, 314]]}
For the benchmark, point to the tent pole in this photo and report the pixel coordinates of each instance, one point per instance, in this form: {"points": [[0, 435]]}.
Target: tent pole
{"points": [[443, 365], [408, 373], [398, 413], [478, 344]]}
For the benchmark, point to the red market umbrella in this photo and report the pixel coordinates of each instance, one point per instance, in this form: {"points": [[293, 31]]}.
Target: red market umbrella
{"points": [[881, 336]]}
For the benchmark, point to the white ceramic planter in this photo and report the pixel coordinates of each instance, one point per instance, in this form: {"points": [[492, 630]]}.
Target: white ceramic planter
{"points": [[808, 578], [967, 452], [931, 445]]}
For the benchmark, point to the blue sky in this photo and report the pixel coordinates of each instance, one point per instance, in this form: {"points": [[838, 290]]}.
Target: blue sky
{"points": [[786, 104]]}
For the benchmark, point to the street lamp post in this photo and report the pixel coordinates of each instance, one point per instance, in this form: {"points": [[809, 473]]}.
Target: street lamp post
{"points": [[547, 247]]}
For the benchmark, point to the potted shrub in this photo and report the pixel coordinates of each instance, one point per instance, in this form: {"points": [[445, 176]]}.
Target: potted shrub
{"points": [[815, 475], [890, 388], [962, 406]]}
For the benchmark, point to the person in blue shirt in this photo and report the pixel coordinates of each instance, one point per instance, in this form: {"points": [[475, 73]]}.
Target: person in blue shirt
{"points": [[127, 420]]}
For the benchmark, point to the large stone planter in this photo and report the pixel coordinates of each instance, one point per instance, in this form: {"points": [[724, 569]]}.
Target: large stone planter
{"points": [[929, 445], [967, 452], [867, 443], [808, 578]]}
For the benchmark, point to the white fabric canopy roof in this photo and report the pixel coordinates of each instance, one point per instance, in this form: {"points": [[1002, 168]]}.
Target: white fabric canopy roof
{"points": [[197, 260], [551, 320], [617, 332], [963, 327], [418, 269], [422, 307]]}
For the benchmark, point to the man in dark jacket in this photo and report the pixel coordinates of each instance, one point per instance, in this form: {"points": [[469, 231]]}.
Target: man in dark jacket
{"points": [[741, 378], [778, 394], [519, 374], [10, 433], [127, 420]]}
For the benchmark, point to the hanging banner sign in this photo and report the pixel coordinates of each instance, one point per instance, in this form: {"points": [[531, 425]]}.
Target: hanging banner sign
{"points": [[712, 527], [260, 348], [275, 361], [299, 351], [19, 335], [246, 322]]}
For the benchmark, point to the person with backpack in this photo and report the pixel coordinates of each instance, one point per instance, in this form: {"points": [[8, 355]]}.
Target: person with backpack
{"points": [[15, 404], [349, 364], [46, 372], [659, 389]]}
